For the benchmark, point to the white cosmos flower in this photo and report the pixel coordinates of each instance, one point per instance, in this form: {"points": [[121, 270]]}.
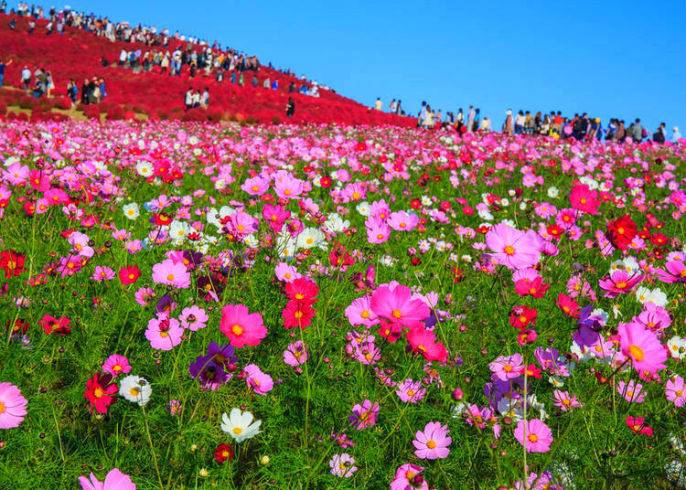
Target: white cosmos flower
{"points": [[553, 192], [363, 208], [655, 296], [336, 224], [131, 211], [178, 230], [240, 425], [251, 241], [144, 169], [310, 238], [677, 347], [135, 389]]}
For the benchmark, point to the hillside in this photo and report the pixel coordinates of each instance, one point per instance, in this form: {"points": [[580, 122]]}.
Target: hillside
{"points": [[78, 55]]}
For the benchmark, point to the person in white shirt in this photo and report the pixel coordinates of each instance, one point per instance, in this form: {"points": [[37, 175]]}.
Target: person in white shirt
{"points": [[26, 77], [378, 105]]}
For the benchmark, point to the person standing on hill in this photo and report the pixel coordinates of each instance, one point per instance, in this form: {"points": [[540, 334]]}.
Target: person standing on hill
{"points": [[636, 131], [378, 105], [659, 136], [3, 65], [26, 77], [470, 119], [290, 107], [188, 98]]}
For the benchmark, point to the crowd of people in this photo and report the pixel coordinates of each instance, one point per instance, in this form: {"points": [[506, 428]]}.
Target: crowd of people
{"points": [[190, 55], [580, 126]]}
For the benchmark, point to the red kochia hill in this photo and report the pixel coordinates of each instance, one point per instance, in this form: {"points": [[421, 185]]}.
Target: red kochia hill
{"points": [[78, 54]]}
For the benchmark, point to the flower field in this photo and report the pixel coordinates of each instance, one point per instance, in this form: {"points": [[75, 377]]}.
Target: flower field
{"points": [[188, 305]]}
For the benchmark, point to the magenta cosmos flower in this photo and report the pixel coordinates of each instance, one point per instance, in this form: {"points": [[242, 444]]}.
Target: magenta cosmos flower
{"points": [[115, 480], [397, 306], [534, 435], [12, 406], [116, 364], [409, 477], [171, 274], [432, 442], [513, 248], [242, 327], [642, 347]]}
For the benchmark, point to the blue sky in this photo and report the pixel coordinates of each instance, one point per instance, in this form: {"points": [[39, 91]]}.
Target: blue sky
{"points": [[607, 58]]}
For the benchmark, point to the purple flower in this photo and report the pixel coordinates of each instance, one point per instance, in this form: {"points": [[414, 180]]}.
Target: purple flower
{"points": [[364, 415]]}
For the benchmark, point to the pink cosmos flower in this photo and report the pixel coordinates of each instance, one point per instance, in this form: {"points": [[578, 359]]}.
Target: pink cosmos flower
{"points": [[642, 347], [513, 248], [364, 415], [193, 318], [171, 274], [507, 367], [286, 273], [102, 273], [377, 232], [397, 306], [403, 221], [116, 364], [409, 477], [432, 442], [619, 282], [295, 354], [631, 391], [360, 313], [260, 382], [256, 186], [242, 327], [115, 480], [564, 401], [287, 186], [534, 435], [675, 391], [143, 295], [12, 406], [164, 334], [410, 391]]}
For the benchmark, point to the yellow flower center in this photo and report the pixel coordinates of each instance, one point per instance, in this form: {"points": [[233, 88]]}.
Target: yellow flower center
{"points": [[2, 408], [237, 329], [636, 352], [532, 438], [509, 250], [237, 430], [431, 444], [396, 313]]}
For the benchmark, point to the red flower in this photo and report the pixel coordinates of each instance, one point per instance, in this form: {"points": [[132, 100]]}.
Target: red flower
{"points": [[638, 426], [223, 453], [297, 314], [129, 275], [302, 289], [622, 231], [536, 288], [99, 391], [50, 324], [325, 182], [568, 306], [12, 263], [522, 316]]}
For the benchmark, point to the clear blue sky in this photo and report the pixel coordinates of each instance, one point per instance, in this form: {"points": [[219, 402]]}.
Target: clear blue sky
{"points": [[605, 57]]}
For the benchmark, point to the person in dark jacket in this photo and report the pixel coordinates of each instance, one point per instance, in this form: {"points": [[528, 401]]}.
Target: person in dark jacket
{"points": [[290, 107]]}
